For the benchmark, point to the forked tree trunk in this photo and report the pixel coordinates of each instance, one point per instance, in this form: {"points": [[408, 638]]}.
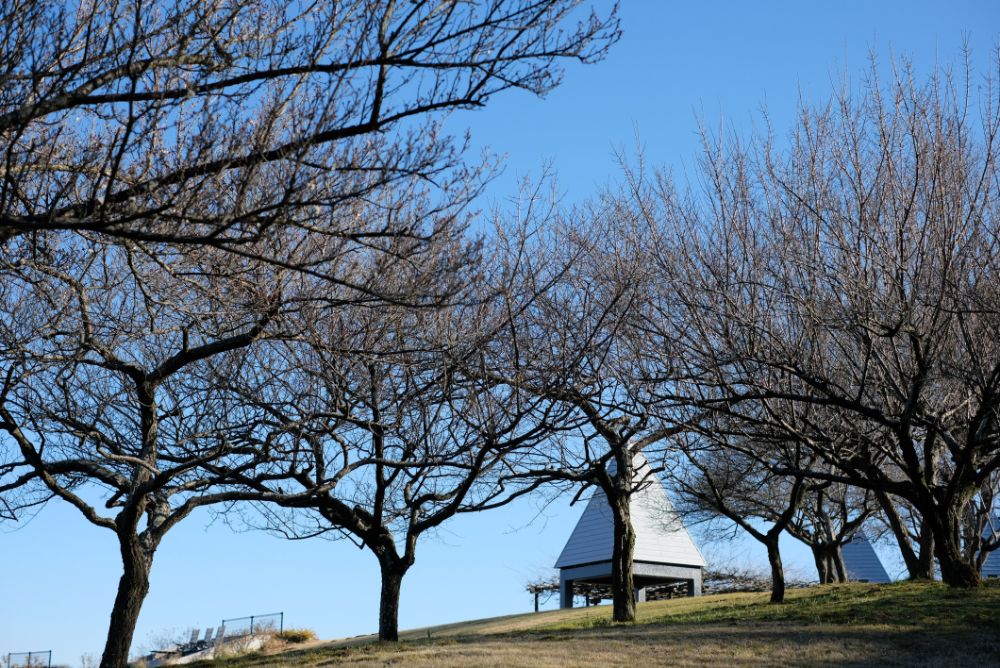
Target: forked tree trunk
{"points": [[829, 563], [919, 565], [839, 567], [132, 589], [822, 561], [622, 578], [956, 569], [777, 570]]}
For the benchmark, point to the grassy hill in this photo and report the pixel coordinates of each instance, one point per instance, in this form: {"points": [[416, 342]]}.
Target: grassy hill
{"points": [[899, 624]]}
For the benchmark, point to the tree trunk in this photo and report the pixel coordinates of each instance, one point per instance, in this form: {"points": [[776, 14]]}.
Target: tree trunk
{"points": [[777, 571], [622, 579], [822, 561], [829, 559], [388, 608], [919, 566], [839, 567], [132, 589], [956, 570], [925, 560]]}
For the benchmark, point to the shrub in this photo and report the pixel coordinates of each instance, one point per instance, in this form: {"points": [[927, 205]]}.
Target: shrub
{"points": [[296, 635]]}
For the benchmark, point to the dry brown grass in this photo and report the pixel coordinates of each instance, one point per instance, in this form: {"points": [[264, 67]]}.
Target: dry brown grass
{"points": [[859, 625]]}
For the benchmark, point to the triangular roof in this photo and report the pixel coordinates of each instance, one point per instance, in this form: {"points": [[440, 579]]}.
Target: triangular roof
{"points": [[991, 566], [660, 536], [862, 563]]}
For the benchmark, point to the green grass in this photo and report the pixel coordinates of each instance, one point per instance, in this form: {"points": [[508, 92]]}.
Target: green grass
{"points": [[861, 624], [901, 603]]}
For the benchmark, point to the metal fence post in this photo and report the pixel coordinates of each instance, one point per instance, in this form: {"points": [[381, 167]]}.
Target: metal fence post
{"points": [[281, 623]]}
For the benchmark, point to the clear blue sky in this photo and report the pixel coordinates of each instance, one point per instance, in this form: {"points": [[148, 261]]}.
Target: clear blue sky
{"points": [[676, 61]]}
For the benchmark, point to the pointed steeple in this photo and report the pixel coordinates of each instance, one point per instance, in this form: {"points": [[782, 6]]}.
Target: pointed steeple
{"points": [[862, 563], [660, 535]]}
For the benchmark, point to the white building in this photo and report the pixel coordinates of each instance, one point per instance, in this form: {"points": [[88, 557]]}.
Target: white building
{"points": [[664, 551]]}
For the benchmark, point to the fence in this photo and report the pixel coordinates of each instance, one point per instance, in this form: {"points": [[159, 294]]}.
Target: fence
{"points": [[30, 660], [248, 626]]}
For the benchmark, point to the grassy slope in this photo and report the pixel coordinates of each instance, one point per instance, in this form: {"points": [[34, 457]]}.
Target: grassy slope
{"points": [[899, 624]]}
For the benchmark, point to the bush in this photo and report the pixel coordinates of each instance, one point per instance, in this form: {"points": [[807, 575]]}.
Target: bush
{"points": [[296, 635]]}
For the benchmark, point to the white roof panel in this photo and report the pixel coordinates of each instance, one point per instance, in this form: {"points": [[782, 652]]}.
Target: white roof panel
{"points": [[660, 534], [862, 563], [991, 567]]}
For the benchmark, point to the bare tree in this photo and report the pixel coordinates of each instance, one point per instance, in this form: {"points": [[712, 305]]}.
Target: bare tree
{"points": [[210, 122], [854, 272], [126, 326], [581, 345], [374, 430], [829, 516], [979, 529], [717, 474], [112, 404], [291, 133], [912, 534]]}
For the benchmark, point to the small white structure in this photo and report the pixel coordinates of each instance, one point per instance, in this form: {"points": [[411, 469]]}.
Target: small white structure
{"points": [[664, 551], [861, 562]]}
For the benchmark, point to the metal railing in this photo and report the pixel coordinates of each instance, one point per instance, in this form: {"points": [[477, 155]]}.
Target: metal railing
{"points": [[247, 626], [29, 659]]}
